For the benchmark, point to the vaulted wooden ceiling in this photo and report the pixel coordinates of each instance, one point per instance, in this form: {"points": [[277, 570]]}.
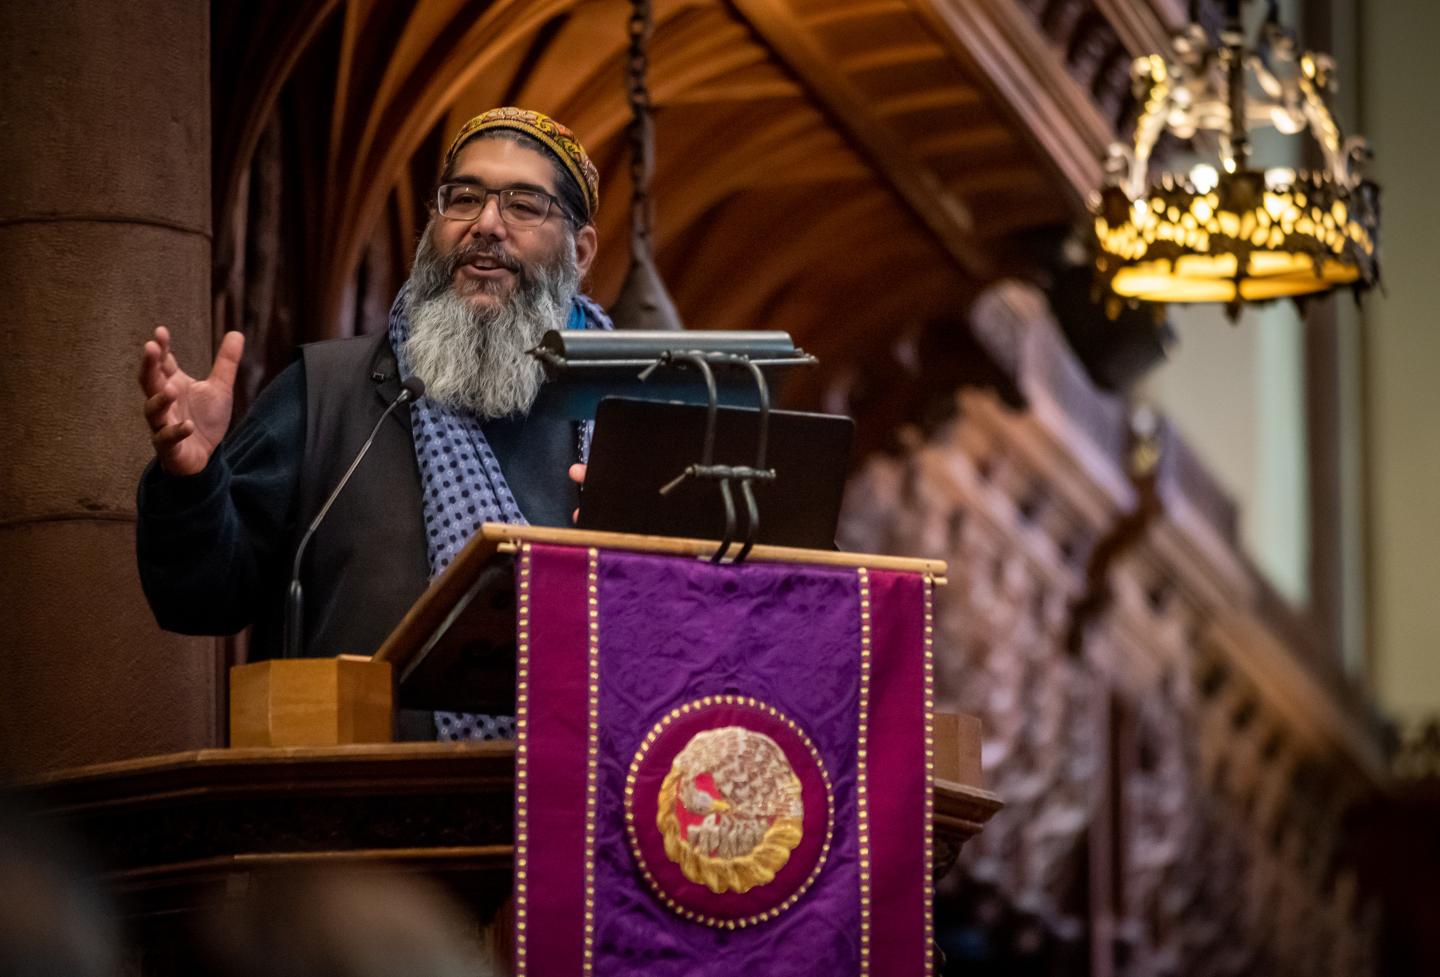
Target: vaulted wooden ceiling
{"points": [[847, 170]]}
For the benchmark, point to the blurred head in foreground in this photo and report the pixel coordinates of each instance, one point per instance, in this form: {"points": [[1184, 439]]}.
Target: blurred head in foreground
{"points": [[346, 922], [54, 919]]}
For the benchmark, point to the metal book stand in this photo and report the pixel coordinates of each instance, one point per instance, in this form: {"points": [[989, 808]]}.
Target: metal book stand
{"points": [[747, 351]]}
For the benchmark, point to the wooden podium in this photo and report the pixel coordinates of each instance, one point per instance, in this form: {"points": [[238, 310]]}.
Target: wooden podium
{"points": [[352, 698], [312, 774], [342, 710]]}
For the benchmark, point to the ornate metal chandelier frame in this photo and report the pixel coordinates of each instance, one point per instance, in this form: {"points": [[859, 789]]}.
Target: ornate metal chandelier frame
{"points": [[1236, 234]]}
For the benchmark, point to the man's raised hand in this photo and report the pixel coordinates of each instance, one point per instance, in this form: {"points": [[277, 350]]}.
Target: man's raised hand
{"points": [[187, 417]]}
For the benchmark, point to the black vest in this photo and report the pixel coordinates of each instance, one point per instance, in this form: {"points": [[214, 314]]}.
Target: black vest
{"points": [[368, 562]]}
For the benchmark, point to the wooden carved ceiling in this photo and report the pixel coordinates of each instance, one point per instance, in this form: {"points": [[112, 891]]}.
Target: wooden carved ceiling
{"points": [[848, 170]]}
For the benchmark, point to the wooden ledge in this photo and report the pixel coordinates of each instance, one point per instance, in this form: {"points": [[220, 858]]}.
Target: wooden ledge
{"points": [[436, 607], [183, 819], [501, 533]]}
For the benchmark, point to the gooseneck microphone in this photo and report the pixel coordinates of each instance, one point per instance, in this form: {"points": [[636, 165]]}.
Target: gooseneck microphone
{"points": [[412, 388]]}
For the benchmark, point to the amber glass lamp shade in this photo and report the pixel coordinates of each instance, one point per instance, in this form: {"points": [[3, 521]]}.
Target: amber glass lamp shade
{"points": [[1248, 238]]}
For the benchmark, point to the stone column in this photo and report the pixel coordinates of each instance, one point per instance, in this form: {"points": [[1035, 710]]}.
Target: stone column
{"points": [[104, 233]]}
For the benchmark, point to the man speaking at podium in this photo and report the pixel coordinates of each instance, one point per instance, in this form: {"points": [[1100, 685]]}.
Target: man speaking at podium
{"points": [[510, 237]]}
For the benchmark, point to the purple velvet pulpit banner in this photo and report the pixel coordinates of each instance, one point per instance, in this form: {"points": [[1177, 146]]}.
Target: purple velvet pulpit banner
{"points": [[721, 770]]}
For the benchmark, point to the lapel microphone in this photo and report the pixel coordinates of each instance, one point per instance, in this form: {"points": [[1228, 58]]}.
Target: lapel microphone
{"points": [[413, 388]]}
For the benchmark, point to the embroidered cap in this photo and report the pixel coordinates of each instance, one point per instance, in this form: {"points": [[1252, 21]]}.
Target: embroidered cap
{"points": [[559, 140]]}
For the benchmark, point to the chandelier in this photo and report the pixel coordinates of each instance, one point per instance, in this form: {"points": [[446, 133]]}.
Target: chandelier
{"points": [[1231, 232]]}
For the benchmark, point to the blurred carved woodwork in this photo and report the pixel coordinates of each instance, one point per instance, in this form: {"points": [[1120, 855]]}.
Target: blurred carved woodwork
{"points": [[1177, 770]]}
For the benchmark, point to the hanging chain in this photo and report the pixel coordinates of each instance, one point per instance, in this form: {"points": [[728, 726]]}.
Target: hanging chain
{"points": [[1232, 61], [641, 131]]}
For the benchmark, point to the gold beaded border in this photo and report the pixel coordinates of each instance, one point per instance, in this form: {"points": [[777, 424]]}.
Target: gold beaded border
{"points": [[592, 754], [630, 829], [929, 666], [522, 760], [862, 805]]}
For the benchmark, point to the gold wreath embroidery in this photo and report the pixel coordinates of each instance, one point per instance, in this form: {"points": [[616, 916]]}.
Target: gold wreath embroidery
{"points": [[730, 809]]}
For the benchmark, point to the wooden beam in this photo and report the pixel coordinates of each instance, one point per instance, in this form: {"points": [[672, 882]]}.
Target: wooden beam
{"points": [[744, 92], [1145, 27], [881, 57], [1001, 42], [844, 226], [931, 98], [356, 11], [912, 293], [783, 142], [980, 140], [265, 77], [838, 13], [851, 112]]}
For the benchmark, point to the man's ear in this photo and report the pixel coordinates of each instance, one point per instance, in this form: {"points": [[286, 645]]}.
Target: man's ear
{"points": [[586, 241]]}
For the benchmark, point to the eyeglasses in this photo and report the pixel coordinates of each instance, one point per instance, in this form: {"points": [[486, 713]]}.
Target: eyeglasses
{"points": [[518, 207]]}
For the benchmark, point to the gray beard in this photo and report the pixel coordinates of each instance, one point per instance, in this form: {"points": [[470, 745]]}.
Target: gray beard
{"points": [[474, 359]]}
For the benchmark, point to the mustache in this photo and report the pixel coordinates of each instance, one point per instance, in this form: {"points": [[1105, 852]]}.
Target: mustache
{"points": [[483, 249]]}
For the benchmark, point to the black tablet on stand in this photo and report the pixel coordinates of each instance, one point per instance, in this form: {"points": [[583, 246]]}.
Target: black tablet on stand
{"points": [[640, 446]]}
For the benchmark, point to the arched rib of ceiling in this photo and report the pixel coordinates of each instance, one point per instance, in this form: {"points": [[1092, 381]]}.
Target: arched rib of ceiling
{"points": [[259, 84]]}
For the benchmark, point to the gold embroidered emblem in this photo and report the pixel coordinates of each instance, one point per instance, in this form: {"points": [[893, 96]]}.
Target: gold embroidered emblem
{"points": [[730, 809]]}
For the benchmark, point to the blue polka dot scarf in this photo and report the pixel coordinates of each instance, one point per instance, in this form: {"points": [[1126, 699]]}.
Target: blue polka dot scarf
{"points": [[462, 486]]}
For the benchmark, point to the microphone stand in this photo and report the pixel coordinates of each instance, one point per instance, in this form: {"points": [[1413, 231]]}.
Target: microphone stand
{"points": [[413, 388]]}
